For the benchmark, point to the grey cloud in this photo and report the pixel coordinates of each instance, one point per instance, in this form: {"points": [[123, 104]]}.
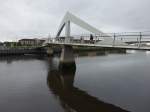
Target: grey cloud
{"points": [[21, 18]]}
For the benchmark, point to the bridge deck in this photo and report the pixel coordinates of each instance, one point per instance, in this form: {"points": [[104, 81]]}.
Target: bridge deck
{"points": [[104, 46]]}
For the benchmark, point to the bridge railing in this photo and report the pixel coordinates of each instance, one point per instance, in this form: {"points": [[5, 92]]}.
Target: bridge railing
{"points": [[137, 39]]}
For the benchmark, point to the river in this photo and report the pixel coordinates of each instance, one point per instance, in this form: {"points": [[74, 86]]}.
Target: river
{"points": [[100, 83]]}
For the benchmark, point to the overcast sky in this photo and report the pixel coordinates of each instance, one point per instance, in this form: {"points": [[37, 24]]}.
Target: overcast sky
{"points": [[33, 18]]}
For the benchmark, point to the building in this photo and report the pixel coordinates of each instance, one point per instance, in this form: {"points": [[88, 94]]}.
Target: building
{"points": [[31, 42]]}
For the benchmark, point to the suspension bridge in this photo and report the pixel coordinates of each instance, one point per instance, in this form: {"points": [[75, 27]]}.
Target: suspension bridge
{"points": [[97, 39], [132, 40]]}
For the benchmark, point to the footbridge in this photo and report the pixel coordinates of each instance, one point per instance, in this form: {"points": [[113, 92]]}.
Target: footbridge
{"points": [[97, 39]]}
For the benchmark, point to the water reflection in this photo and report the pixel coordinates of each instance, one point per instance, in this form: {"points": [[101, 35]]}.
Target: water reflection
{"points": [[90, 53], [60, 82], [10, 59]]}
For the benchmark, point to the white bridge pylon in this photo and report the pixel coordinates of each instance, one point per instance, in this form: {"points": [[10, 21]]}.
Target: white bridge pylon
{"points": [[68, 18]]}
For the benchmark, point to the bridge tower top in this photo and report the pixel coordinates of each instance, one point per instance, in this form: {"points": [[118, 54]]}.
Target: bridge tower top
{"points": [[68, 18]]}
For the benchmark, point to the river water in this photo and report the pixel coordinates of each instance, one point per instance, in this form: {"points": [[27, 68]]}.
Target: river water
{"points": [[100, 83]]}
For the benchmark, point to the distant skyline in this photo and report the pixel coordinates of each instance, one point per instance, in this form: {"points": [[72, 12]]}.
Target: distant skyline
{"points": [[39, 18]]}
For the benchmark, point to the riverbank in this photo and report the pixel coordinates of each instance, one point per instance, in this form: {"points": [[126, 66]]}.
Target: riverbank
{"points": [[55, 50], [21, 51]]}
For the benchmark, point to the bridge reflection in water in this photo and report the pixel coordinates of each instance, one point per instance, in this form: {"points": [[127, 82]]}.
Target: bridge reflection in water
{"points": [[72, 99]]}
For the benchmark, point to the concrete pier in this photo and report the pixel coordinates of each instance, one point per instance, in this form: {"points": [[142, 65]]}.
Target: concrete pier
{"points": [[49, 51], [67, 59]]}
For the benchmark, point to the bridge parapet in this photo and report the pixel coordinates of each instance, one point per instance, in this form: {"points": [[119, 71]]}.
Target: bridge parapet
{"points": [[136, 39]]}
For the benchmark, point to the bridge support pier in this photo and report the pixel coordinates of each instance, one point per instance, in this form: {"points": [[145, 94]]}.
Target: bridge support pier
{"points": [[49, 51], [67, 60]]}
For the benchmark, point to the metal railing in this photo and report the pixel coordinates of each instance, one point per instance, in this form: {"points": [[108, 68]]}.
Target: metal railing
{"points": [[137, 39]]}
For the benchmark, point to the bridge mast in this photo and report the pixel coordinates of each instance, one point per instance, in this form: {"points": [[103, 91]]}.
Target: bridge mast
{"points": [[67, 31]]}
